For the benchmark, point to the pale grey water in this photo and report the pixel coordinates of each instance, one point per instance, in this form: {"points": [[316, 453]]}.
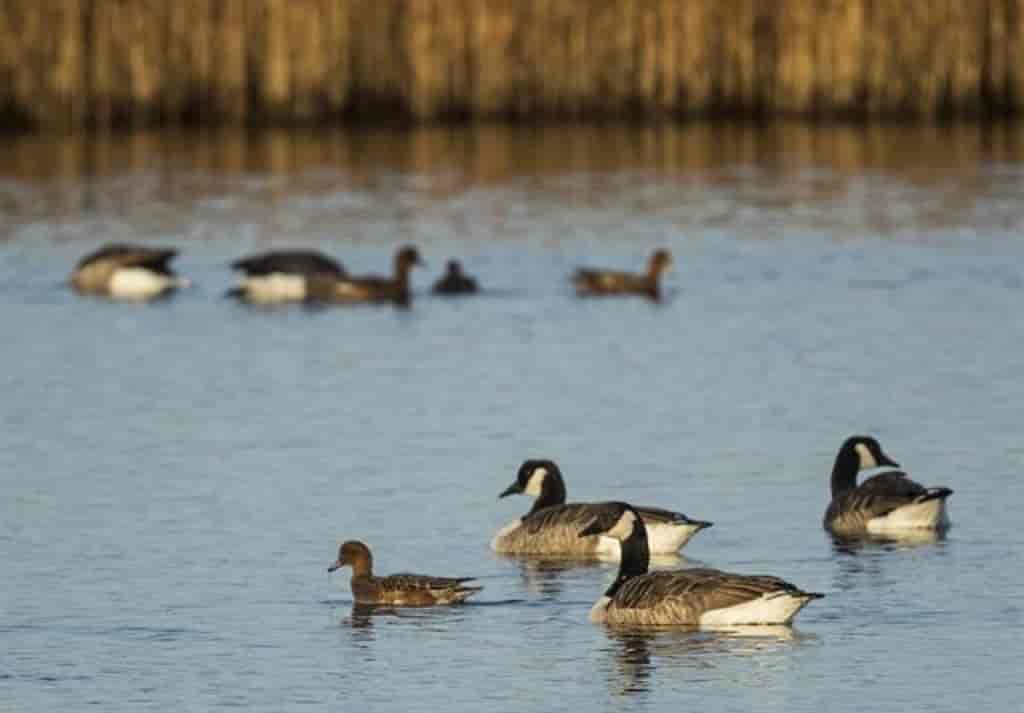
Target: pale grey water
{"points": [[176, 477]]}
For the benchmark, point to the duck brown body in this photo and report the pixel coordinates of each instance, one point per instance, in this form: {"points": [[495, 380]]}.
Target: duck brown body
{"points": [[411, 590], [369, 288], [590, 282]]}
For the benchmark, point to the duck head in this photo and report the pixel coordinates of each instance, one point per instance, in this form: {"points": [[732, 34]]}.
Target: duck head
{"points": [[354, 554]]}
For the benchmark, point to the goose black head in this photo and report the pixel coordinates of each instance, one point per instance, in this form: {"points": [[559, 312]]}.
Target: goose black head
{"points": [[868, 452], [532, 477]]}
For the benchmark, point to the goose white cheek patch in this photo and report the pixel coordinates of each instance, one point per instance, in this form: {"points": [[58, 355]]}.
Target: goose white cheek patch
{"points": [[536, 482], [866, 459]]}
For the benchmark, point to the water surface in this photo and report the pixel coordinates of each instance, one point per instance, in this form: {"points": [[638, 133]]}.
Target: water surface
{"points": [[177, 476]]}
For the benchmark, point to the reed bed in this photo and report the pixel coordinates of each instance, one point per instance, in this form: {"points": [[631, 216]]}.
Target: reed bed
{"points": [[106, 63]]}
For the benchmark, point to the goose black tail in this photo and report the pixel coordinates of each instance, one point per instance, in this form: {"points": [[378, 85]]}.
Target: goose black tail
{"points": [[935, 494]]}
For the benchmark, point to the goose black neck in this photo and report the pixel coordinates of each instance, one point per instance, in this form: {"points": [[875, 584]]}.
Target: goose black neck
{"points": [[552, 491], [636, 557], [844, 472]]}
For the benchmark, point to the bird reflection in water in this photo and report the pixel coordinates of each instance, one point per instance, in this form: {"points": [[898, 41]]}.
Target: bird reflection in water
{"points": [[861, 559], [638, 653], [365, 618]]}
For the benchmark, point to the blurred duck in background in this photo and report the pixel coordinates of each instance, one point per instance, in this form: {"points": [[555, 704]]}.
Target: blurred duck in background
{"points": [[455, 281], [371, 288], [283, 275], [127, 272], [594, 283]]}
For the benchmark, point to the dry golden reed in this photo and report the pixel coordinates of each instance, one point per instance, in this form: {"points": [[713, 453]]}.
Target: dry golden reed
{"points": [[71, 63]]}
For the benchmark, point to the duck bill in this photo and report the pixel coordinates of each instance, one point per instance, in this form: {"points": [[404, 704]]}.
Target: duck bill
{"points": [[335, 566], [510, 490], [592, 529]]}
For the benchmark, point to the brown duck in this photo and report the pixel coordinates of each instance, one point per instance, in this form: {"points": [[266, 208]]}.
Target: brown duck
{"points": [[127, 272], [610, 282], [409, 590], [369, 288]]}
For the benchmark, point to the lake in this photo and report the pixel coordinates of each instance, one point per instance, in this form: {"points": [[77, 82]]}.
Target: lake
{"points": [[177, 476]]}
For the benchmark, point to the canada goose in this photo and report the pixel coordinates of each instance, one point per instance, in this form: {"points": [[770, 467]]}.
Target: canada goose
{"points": [[886, 503], [610, 282], [372, 288], [551, 526], [454, 281], [127, 272], [282, 275], [705, 598], [411, 590]]}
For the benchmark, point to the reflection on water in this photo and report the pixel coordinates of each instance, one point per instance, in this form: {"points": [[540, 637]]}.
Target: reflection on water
{"points": [[543, 574], [847, 544], [875, 561], [829, 282], [806, 169], [640, 655]]}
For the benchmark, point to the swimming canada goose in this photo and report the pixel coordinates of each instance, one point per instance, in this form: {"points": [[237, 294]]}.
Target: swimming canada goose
{"points": [[373, 288], [552, 526], [127, 272], [282, 275], [609, 282], [886, 503], [410, 590], [705, 598], [455, 281]]}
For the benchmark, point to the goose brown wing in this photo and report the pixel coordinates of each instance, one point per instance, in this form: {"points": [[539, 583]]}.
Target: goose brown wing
{"points": [[299, 262], [126, 255], [577, 515], [660, 515], [877, 496], [893, 483], [697, 589]]}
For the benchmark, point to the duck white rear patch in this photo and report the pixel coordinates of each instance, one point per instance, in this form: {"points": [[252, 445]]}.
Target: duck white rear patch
{"points": [[771, 608], [867, 460], [139, 283], [929, 515], [667, 538], [275, 287], [536, 481]]}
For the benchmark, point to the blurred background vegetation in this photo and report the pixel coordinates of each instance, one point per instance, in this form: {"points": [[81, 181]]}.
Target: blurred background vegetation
{"points": [[67, 64]]}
